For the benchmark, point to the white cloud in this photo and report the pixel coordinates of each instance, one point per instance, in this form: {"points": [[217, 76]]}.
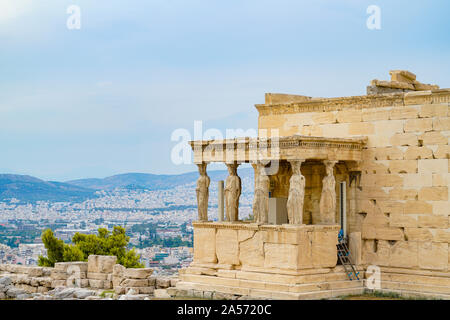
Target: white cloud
{"points": [[12, 9]]}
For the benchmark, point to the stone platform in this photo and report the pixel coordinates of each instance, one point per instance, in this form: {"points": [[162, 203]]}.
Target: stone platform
{"points": [[245, 246], [305, 284], [267, 261], [415, 283]]}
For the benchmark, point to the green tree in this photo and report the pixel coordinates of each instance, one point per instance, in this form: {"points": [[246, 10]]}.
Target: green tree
{"points": [[104, 243], [55, 249], [72, 253], [110, 244]]}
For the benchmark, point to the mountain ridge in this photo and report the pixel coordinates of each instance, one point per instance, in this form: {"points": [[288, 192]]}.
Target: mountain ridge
{"points": [[26, 188], [31, 189], [149, 180]]}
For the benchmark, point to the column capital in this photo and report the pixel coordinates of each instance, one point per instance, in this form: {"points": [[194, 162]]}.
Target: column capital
{"points": [[296, 165], [202, 167], [330, 162]]}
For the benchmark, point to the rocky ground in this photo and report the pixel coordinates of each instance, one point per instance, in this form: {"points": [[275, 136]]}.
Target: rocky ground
{"points": [[9, 291]]}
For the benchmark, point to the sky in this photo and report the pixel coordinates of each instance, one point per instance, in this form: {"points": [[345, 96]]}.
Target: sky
{"points": [[106, 98]]}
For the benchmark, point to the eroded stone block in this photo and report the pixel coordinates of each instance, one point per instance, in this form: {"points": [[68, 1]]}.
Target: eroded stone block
{"points": [[227, 246], [205, 245]]}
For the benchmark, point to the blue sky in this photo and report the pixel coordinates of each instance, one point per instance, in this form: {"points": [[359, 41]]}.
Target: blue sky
{"points": [[105, 99]]}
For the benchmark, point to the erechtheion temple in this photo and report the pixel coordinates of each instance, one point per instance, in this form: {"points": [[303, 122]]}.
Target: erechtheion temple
{"points": [[372, 170]]}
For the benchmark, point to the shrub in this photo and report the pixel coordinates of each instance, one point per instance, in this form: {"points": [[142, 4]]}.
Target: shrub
{"points": [[104, 243]]}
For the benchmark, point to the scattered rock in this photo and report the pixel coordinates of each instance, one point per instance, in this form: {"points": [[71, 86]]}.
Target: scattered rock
{"points": [[162, 283], [207, 295], [133, 297], [43, 297], [24, 296], [36, 272], [198, 294], [13, 292], [222, 296], [83, 293], [152, 281], [101, 264], [131, 292], [5, 281], [134, 283], [65, 293], [137, 273], [161, 294], [172, 291], [174, 281]]}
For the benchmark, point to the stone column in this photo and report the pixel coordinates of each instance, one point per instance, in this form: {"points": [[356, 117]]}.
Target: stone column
{"points": [[296, 196], [232, 192], [261, 195], [202, 192], [328, 197], [220, 201]]}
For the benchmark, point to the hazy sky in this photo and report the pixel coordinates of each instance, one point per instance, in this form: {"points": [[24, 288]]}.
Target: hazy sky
{"points": [[105, 99]]}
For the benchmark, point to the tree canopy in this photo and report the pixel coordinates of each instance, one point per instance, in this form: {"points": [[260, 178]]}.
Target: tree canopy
{"points": [[104, 243]]}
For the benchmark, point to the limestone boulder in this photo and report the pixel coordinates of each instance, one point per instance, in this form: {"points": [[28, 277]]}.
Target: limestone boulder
{"points": [[58, 283], [161, 294], [24, 296], [65, 293], [70, 267], [162, 283], [174, 281], [13, 292], [118, 270], [133, 297], [97, 284], [35, 272], [134, 283], [152, 281], [83, 293], [5, 281], [59, 275], [97, 276], [137, 273]]}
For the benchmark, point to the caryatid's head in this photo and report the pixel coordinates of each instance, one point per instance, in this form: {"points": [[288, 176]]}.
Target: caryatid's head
{"points": [[296, 166], [202, 168], [329, 165], [232, 169]]}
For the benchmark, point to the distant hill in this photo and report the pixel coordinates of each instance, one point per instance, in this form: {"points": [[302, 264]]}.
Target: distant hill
{"points": [[30, 189], [151, 181]]}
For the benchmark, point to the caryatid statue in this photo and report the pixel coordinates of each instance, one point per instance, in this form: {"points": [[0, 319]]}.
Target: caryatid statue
{"points": [[296, 196], [261, 195], [232, 193], [328, 197], [202, 192]]}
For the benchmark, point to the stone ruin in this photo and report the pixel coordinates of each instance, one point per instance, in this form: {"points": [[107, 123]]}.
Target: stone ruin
{"points": [[375, 167]]}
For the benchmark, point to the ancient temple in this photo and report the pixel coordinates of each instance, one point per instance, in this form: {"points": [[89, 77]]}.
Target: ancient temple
{"points": [[373, 168]]}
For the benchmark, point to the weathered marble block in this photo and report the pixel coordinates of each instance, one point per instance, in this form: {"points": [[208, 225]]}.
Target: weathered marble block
{"points": [[286, 246], [101, 264]]}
